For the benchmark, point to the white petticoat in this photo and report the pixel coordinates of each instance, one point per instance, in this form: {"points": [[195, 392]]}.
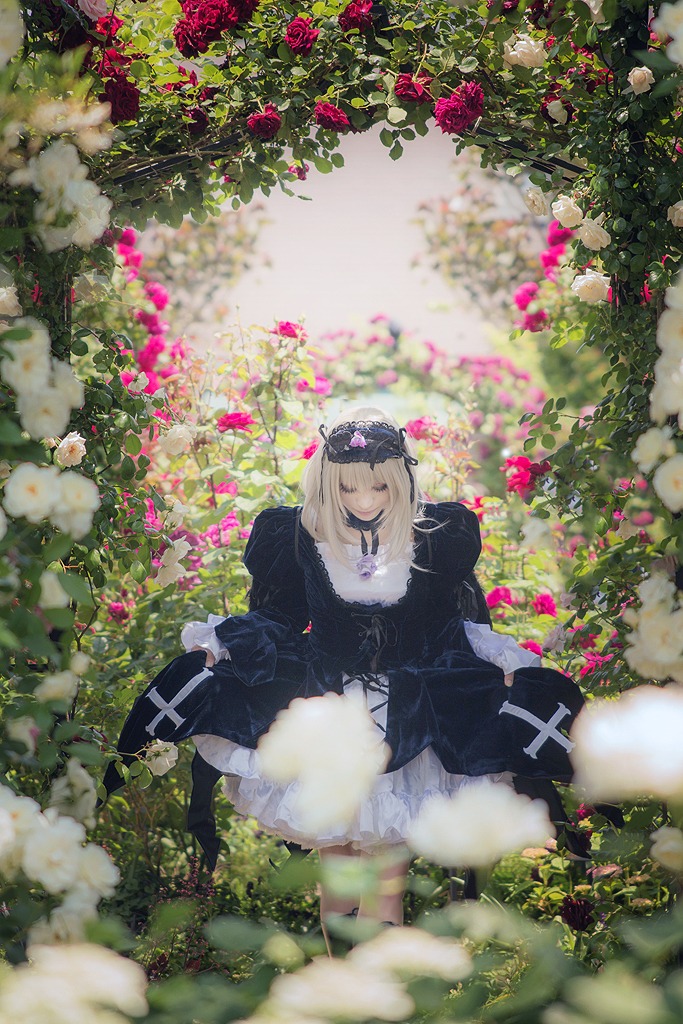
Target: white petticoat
{"points": [[383, 820]]}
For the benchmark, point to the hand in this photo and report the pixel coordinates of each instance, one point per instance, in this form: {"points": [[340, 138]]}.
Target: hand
{"points": [[509, 678], [210, 658]]}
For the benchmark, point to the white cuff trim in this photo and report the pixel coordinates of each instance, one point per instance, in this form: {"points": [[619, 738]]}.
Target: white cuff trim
{"points": [[499, 649], [203, 634]]}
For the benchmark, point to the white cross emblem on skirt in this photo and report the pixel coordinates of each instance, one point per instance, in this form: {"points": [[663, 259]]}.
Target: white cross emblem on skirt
{"points": [[546, 730], [169, 708]]}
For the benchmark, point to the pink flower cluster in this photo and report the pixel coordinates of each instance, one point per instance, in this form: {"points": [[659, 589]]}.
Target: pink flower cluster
{"points": [[535, 320], [525, 473], [320, 386]]}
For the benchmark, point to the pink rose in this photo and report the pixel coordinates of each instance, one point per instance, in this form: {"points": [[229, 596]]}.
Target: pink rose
{"points": [[557, 234], [544, 604], [499, 595], [525, 294], [235, 421], [423, 429], [310, 450], [288, 329], [531, 645]]}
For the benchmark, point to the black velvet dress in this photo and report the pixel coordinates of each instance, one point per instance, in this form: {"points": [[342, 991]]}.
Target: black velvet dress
{"points": [[440, 694]]}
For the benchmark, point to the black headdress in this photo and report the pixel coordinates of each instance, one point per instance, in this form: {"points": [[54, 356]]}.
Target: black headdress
{"points": [[370, 441]]}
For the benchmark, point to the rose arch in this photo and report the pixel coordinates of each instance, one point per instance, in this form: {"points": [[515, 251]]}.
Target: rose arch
{"points": [[115, 112]]}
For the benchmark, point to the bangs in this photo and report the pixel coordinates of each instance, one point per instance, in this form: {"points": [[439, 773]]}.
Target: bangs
{"points": [[359, 474]]}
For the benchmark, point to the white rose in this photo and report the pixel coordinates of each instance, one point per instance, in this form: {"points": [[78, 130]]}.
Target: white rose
{"points": [[178, 439], [332, 989], [674, 293], [26, 367], [53, 239], [652, 446], [87, 978], [332, 748], [44, 414], [631, 746], [93, 8], [52, 593], [91, 222], [668, 482], [666, 397], [536, 533], [74, 794], [591, 286], [567, 212], [161, 757], [138, 383], [77, 500], [8, 835], [11, 31], [536, 201], [80, 663], [593, 235], [55, 170], [52, 851], [527, 52], [557, 110], [31, 491], [667, 848], [170, 568], [3, 523], [23, 812], [556, 640], [641, 80], [670, 332], [675, 214], [479, 825], [61, 686], [70, 450], [9, 301], [66, 381], [658, 636], [97, 871], [176, 513], [24, 730], [413, 953], [669, 21], [657, 589], [62, 926], [674, 50]]}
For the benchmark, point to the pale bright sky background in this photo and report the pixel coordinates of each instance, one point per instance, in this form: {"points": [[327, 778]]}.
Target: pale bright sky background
{"points": [[346, 255]]}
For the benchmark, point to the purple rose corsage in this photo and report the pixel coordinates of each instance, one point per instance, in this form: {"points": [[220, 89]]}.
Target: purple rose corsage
{"points": [[366, 567]]}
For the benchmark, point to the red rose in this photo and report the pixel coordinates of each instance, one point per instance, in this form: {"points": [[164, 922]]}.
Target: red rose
{"points": [[124, 97], [245, 9], [265, 125], [108, 24], [415, 90], [112, 63], [213, 17], [357, 14], [458, 111], [199, 121], [300, 36], [235, 421], [331, 117], [188, 39], [301, 170]]}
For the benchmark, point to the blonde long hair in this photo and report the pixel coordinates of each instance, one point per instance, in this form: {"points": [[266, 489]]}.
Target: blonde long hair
{"points": [[324, 515]]}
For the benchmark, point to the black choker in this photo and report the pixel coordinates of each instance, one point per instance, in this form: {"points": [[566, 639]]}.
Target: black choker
{"points": [[366, 566]]}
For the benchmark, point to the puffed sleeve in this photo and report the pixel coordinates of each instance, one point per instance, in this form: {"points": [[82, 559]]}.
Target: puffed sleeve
{"points": [[454, 539], [278, 611], [499, 648]]}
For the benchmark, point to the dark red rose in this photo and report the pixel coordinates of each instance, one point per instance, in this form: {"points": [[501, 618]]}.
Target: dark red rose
{"points": [[124, 97], [74, 37], [543, 14], [199, 121], [266, 124], [300, 36], [108, 24], [213, 18], [506, 6], [357, 14], [245, 9], [415, 90], [577, 912], [188, 39], [331, 117], [457, 112], [113, 62]]}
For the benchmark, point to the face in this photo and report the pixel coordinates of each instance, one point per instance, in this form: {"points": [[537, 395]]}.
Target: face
{"points": [[365, 500]]}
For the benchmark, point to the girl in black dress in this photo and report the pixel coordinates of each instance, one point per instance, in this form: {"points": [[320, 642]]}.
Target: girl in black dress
{"points": [[366, 589]]}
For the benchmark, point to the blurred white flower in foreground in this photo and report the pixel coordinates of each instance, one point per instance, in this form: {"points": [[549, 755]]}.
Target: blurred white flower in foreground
{"points": [[479, 825], [76, 983], [651, 446], [332, 747], [339, 990], [655, 645], [667, 848], [413, 953], [11, 30], [631, 746], [73, 794], [536, 201]]}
